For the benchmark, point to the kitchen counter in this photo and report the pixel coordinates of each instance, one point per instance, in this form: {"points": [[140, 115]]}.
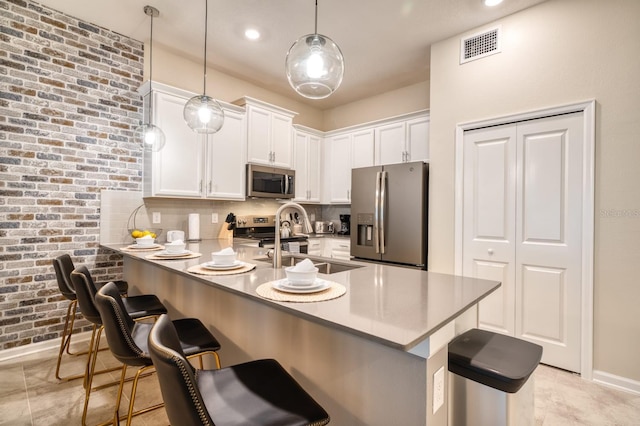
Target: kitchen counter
{"points": [[389, 330]]}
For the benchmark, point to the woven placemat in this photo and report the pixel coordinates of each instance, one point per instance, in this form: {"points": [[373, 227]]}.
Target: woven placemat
{"points": [[134, 249], [198, 269], [267, 291], [190, 256]]}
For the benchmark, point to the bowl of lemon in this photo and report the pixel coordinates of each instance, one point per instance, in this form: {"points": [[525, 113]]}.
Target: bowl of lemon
{"points": [[154, 233]]}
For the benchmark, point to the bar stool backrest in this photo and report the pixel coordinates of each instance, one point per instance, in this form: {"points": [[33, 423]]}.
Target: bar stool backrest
{"points": [[86, 292], [183, 404], [63, 266], [119, 328]]}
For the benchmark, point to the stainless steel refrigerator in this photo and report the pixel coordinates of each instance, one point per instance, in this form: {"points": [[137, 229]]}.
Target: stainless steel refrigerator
{"points": [[389, 206]]}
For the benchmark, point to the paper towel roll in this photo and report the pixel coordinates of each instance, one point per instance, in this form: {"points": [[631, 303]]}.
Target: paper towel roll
{"points": [[194, 227]]}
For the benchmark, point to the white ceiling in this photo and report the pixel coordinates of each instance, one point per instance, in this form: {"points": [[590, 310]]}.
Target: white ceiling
{"points": [[385, 43]]}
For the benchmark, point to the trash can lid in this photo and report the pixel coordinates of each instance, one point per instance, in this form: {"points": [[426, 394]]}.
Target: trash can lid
{"points": [[499, 361]]}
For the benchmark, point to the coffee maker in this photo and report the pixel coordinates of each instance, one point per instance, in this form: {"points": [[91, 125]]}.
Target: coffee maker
{"points": [[345, 224]]}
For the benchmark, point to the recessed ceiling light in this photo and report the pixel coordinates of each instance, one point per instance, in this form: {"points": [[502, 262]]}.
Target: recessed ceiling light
{"points": [[491, 3], [252, 34]]}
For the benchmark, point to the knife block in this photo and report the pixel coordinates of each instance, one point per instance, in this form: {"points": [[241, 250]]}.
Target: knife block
{"points": [[225, 233]]}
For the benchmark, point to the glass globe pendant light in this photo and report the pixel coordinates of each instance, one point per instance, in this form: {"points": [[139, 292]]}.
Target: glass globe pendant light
{"points": [[202, 113], [151, 137], [314, 65]]}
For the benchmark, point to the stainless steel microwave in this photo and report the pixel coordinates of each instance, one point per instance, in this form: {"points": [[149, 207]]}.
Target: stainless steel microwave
{"points": [[270, 182]]}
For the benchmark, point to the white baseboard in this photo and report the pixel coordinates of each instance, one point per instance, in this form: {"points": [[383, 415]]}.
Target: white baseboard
{"points": [[616, 382], [33, 348]]}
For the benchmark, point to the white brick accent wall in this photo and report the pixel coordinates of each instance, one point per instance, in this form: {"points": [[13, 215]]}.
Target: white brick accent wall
{"points": [[68, 107]]}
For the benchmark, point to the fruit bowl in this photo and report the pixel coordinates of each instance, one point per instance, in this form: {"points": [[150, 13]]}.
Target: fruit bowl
{"points": [[141, 232]]}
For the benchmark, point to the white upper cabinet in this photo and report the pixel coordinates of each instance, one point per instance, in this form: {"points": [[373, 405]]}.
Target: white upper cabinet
{"points": [[193, 165], [307, 151], [177, 169], [225, 158], [343, 152], [269, 133], [403, 141]]}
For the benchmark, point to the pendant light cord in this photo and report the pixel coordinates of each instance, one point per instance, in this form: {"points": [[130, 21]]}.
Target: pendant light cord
{"points": [[316, 24], [150, 69], [206, 14]]}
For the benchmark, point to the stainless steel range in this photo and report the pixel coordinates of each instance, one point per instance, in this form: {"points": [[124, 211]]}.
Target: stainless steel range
{"points": [[263, 228]]}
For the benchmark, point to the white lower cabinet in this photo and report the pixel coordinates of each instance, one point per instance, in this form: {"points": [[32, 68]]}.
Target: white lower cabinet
{"points": [[330, 247], [340, 248], [314, 247], [192, 165]]}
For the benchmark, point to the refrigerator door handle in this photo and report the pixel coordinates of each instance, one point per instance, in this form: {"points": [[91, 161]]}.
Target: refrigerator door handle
{"points": [[376, 215], [382, 203]]}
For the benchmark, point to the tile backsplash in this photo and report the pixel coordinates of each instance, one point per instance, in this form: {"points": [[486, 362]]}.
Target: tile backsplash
{"points": [[117, 206]]}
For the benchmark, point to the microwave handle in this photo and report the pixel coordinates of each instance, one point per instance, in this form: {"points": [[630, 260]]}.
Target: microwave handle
{"points": [[286, 184]]}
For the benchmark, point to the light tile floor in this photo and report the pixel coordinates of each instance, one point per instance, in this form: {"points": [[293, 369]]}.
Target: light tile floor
{"points": [[30, 395]]}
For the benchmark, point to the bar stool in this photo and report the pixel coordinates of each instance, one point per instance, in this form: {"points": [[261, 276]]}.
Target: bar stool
{"points": [[257, 393], [138, 307], [63, 266], [128, 342]]}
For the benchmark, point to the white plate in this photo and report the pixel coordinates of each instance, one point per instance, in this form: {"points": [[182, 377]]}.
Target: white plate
{"points": [[212, 266], [165, 253], [139, 247], [284, 285]]}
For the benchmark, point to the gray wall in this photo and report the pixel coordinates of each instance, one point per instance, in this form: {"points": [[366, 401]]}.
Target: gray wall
{"points": [[68, 104]]}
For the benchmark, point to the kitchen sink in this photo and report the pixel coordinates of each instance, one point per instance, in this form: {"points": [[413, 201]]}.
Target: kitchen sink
{"points": [[324, 266]]}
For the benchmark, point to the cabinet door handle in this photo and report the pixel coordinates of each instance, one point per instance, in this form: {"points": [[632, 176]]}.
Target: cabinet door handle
{"points": [[348, 194], [200, 187], [210, 186]]}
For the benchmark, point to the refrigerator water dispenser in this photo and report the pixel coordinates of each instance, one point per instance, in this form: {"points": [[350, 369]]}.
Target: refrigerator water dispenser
{"points": [[364, 226]]}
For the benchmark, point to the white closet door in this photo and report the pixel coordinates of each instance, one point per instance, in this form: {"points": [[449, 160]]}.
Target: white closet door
{"points": [[549, 237], [522, 221], [489, 220]]}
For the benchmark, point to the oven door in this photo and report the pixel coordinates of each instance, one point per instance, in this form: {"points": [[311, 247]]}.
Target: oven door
{"points": [[270, 182]]}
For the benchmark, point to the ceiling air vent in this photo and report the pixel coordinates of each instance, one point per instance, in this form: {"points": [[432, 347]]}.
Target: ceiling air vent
{"points": [[480, 45]]}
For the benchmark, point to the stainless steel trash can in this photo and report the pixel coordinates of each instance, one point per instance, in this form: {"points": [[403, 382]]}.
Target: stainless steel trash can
{"points": [[490, 385]]}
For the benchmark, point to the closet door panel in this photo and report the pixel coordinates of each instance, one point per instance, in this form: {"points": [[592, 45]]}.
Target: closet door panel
{"points": [[488, 220], [549, 237]]}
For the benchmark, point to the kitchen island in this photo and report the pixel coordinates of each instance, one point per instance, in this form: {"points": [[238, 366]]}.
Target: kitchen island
{"points": [[368, 357]]}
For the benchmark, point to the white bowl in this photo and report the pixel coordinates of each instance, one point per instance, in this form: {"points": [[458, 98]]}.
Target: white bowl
{"points": [[223, 259], [174, 247], [299, 277], [145, 242]]}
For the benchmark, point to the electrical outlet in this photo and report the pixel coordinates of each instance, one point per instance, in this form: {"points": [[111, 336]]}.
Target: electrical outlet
{"points": [[438, 389], [214, 217], [157, 217]]}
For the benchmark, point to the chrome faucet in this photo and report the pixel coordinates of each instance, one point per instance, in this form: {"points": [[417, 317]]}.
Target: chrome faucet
{"points": [[277, 249]]}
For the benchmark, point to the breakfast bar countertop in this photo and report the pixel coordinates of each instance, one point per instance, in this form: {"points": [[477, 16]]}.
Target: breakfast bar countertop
{"points": [[395, 306]]}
